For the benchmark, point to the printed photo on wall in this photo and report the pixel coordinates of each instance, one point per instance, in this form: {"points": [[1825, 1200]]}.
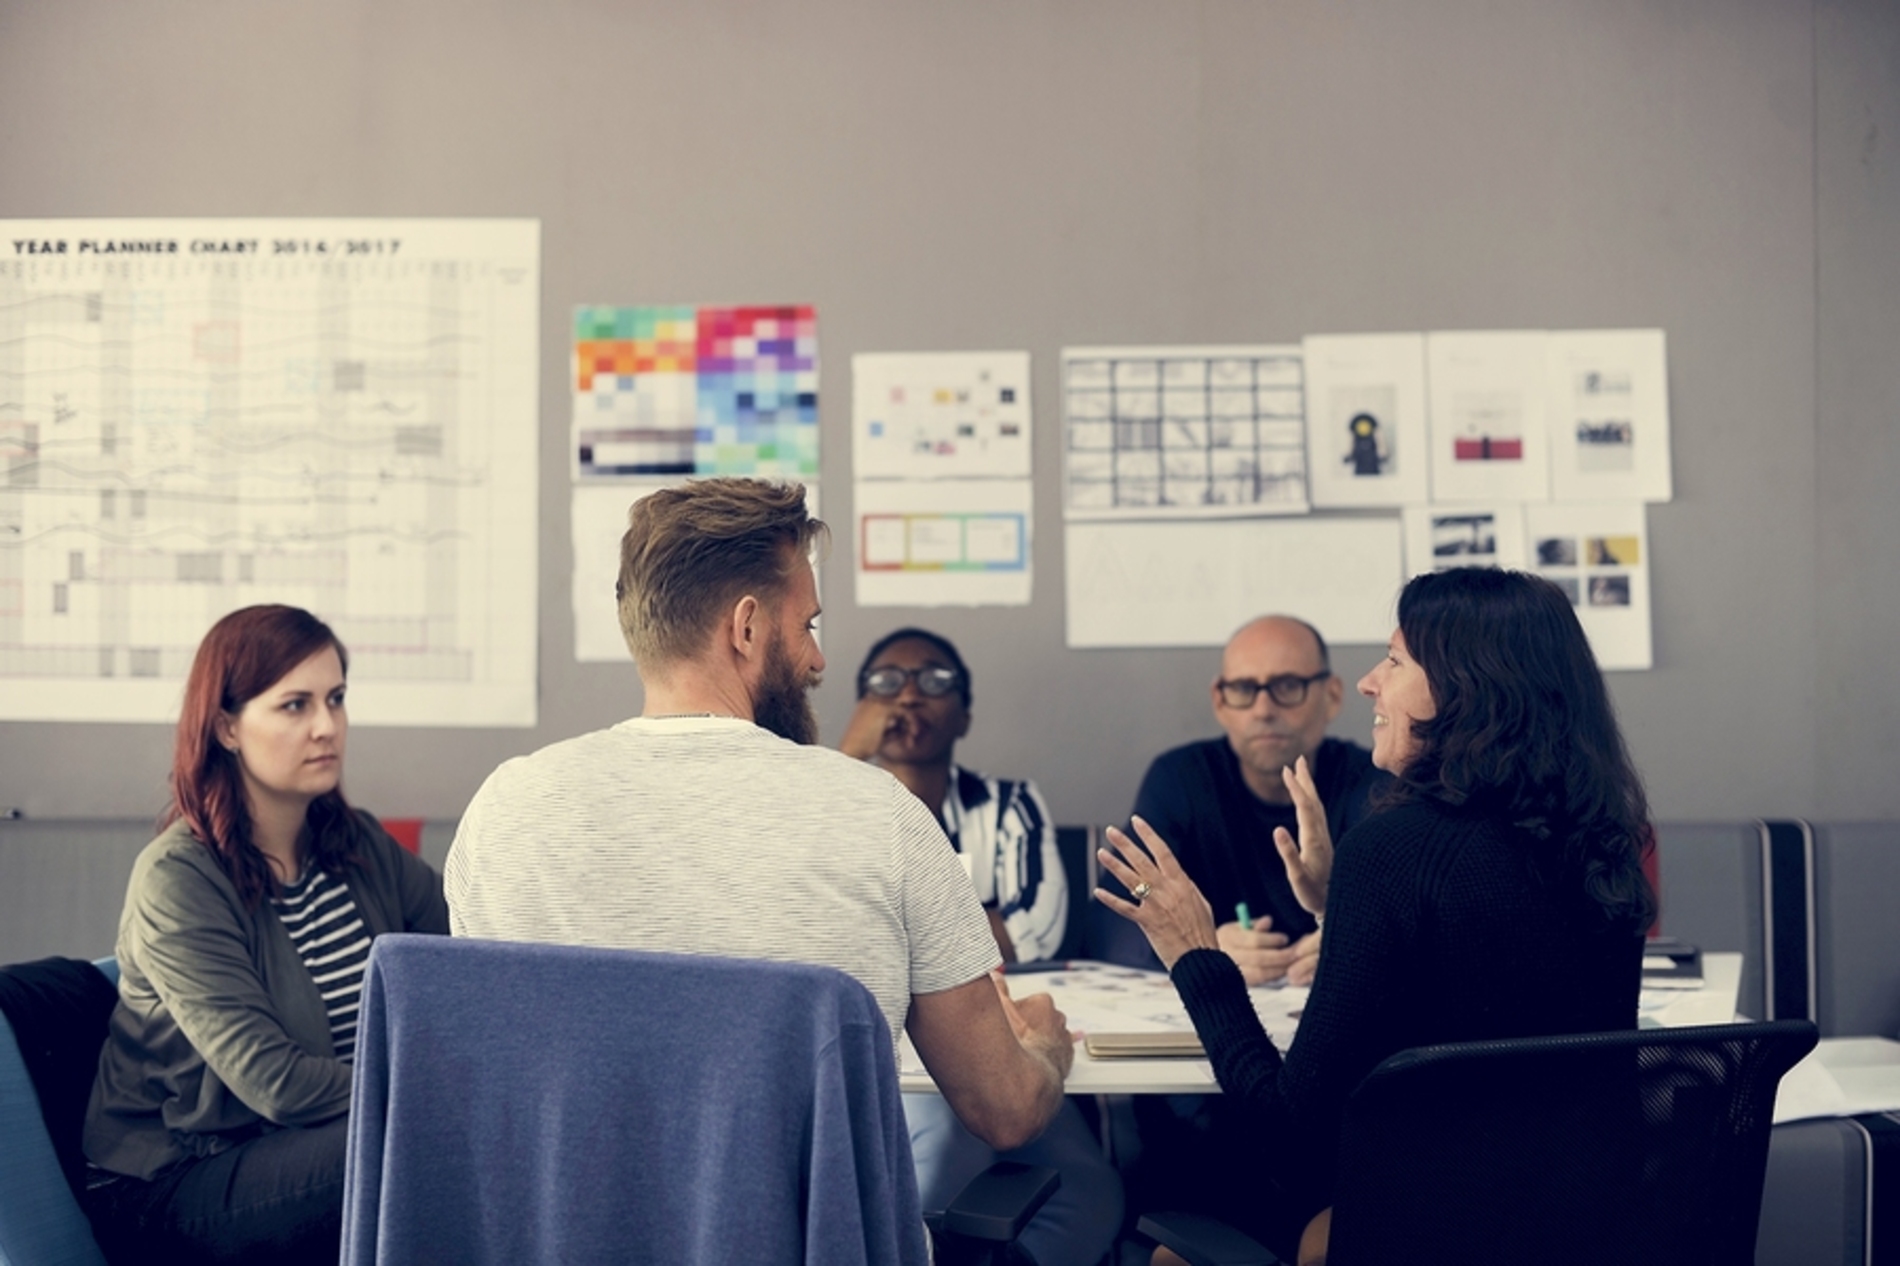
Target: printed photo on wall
{"points": [[1486, 417], [1365, 419], [1607, 397], [1595, 553]]}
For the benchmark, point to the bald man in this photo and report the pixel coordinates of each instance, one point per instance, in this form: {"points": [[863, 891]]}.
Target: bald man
{"points": [[1217, 801]]}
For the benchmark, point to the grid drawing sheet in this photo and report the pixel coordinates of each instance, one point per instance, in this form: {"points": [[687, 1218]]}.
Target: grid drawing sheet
{"points": [[1176, 432], [200, 415]]}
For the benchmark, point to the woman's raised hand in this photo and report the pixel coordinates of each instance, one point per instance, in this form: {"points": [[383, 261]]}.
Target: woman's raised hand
{"points": [[1309, 860], [1166, 905]]}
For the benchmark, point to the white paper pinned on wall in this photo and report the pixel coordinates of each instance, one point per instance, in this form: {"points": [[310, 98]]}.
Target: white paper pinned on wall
{"points": [[1193, 582], [1438, 537], [1598, 554], [1608, 415], [598, 521], [940, 415], [1365, 419], [1486, 419], [946, 542], [1183, 432]]}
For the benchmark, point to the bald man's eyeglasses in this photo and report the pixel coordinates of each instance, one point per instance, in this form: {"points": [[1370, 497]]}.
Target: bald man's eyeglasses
{"points": [[1287, 689]]}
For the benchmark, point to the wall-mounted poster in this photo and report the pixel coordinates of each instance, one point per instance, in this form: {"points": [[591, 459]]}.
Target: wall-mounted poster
{"points": [[202, 415], [683, 390], [1609, 415], [940, 415], [1486, 418], [1439, 537], [1365, 419], [1598, 554], [1182, 432]]}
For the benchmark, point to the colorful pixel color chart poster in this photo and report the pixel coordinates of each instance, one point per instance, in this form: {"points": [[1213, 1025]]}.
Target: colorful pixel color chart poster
{"points": [[682, 390]]}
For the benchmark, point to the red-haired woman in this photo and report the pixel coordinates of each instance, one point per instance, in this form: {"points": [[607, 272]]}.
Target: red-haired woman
{"points": [[217, 1127]]}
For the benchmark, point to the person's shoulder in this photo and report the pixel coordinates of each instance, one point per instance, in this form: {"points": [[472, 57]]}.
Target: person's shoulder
{"points": [[1343, 758], [179, 869], [1200, 758]]}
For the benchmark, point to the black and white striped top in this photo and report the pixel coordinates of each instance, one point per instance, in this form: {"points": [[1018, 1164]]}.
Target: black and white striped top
{"points": [[321, 917]]}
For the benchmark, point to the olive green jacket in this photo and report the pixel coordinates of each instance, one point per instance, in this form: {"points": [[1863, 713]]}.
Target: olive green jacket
{"points": [[219, 1033]]}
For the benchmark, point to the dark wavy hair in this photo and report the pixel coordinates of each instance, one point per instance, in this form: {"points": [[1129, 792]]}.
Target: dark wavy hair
{"points": [[245, 654], [1524, 728], [937, 640]]}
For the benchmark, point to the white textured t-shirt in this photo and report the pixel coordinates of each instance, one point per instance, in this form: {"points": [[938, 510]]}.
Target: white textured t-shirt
{"points": [[708, 835]]}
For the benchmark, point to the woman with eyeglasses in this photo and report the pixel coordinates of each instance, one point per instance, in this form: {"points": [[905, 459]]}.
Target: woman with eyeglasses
{"points": [[913, 705], [1498, 892], [217, 1124]]}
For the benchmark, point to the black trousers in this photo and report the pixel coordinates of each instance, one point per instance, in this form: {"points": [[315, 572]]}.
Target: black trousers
{"points": [[277, 1198]]}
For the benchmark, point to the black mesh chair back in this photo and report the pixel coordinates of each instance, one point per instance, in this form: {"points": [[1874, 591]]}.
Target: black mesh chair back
{"points": [[1641, 1147]]}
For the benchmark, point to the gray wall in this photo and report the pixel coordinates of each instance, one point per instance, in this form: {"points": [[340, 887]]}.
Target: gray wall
{"points": [[1035, 173]]}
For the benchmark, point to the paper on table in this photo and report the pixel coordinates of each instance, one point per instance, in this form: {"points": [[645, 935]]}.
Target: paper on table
{"points": [[1842, 1076]]}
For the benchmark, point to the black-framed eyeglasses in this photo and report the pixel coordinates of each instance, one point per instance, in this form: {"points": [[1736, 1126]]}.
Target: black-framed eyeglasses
{"points": [[933, 682], [1286, 689]]}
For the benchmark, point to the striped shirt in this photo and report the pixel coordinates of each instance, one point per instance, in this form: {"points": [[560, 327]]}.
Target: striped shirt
{"points": [[323, 923], [709, 835], [1004, 827]]}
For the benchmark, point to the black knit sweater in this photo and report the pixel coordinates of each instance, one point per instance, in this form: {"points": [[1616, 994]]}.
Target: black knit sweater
{"points": [[1438, 929]]}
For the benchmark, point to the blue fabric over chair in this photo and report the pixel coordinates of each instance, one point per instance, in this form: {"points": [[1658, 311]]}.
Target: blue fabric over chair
{"points": [[52, 1021], [529, 1103]]}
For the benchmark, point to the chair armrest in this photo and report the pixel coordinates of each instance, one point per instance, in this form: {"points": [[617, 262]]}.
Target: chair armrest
{"points": [[1204, 1241], [997, 1204]]}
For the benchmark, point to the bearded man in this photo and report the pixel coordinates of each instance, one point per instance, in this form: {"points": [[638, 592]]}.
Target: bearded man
{"points": [[712, 824]]}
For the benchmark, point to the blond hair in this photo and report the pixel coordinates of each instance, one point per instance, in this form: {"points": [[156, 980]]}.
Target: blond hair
{"points": [[690, 553]]}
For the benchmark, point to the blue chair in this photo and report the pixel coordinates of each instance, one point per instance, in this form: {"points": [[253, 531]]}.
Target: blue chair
{"points": [[519, 1104], [47, 1065]]}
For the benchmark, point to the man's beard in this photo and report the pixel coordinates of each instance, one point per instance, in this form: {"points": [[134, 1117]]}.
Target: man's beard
{"points": [[783, 702]]}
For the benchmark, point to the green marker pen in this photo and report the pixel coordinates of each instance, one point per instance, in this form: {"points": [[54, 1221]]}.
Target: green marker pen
{"points": [[1244, 916]]}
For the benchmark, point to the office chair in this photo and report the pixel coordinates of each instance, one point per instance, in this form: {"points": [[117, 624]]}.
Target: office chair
{"points": [[539, 1103], [53, 1017], [1647, 1146]]}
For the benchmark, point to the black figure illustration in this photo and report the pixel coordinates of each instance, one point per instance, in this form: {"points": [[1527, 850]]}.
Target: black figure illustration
{"points": [[1365, 457]]}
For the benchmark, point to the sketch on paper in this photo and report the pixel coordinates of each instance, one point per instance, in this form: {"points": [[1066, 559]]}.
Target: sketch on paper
{"points": [[199, 415], [1161, 432], [683, 390]]}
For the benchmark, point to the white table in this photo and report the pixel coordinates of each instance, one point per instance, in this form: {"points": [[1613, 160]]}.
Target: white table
{"points": [[1103, 998]]}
